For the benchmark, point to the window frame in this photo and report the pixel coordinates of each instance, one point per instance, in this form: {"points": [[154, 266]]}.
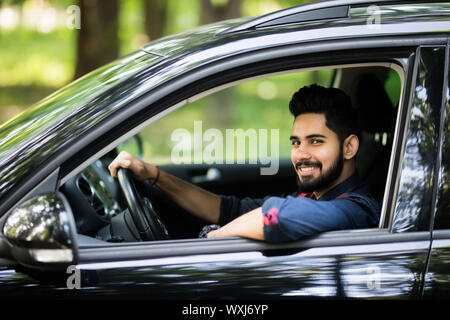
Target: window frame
{"points": [[89, 254], [441, 233]]}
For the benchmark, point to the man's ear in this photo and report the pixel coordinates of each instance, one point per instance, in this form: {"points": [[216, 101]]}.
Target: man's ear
{"points": [[351, 145]]}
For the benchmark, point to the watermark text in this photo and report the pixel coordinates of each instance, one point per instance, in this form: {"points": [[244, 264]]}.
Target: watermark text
{"points": [[236, 146]]}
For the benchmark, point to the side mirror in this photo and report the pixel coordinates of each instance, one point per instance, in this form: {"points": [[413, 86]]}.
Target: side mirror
{"points": [[41, 232]]}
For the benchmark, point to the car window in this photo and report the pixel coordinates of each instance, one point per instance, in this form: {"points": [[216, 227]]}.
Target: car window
{"points": [[415, 195], [198, 134], [442, 220], [192, 142]]}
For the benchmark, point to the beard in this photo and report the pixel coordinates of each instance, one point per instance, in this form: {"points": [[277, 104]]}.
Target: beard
{"points": [[311, 184]]}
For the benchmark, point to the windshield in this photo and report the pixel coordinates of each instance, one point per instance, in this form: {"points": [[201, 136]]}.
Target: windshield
{"points": [[25, 134]]}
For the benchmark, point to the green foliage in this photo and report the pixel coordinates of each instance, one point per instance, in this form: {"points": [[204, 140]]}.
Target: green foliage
{"points": [[183, 15], [29, 57], [131, 30]]}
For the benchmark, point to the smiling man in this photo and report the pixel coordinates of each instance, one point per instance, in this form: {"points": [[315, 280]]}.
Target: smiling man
{"points": [[332, 197]]}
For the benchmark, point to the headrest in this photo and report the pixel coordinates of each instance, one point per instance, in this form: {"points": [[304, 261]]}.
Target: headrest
{"points": [[373, 103]]}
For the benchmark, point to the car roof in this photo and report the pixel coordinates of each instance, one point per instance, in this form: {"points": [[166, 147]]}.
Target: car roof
{"points": [[340, 9], [313, 22], [31, 139]]}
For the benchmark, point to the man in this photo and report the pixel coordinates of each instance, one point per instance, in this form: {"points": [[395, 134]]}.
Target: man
{"points": [[324, 146]]}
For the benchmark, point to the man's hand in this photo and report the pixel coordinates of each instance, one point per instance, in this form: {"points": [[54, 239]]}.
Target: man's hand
{"points": [[201, 203], [141, 170]]}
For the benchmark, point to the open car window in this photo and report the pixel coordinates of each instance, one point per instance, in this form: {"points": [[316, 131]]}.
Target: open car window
{"points": [[186, 136], [235, 141]]}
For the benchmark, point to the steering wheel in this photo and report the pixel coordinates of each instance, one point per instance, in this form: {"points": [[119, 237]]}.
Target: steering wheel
{"points": [[147, 221]]}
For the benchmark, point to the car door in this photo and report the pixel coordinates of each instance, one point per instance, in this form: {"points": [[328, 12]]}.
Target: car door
{"points": [[388, 262]]}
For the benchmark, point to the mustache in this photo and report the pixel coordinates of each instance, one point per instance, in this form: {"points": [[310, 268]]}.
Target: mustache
{"points": [[308, 164]]}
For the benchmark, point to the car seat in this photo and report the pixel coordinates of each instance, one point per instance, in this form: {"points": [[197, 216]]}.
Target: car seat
{"points": [[376, 118]]}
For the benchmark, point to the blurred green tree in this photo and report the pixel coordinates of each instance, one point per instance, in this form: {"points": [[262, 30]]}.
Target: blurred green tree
{"points": [[155, 12], [219, 110], [214, 10], [98, 40]]}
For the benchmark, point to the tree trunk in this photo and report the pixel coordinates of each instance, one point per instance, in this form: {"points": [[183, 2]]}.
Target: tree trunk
{"points": [[155, 18], [98, 41], [211, 13], [219, 104]]}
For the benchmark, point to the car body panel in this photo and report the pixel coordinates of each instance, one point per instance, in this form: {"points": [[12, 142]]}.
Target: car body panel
{"points": [[437, 281], [386, 266], [311, 273]]}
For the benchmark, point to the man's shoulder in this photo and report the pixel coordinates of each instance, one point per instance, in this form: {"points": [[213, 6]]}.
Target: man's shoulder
{"points": [[364, 197], [366, 202]]}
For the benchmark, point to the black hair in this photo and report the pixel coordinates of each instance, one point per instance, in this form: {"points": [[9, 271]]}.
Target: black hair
{"points": [[334, 103]]}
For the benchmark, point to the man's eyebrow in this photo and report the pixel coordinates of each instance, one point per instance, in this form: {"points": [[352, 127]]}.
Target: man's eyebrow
{"points": [[314, 135]]}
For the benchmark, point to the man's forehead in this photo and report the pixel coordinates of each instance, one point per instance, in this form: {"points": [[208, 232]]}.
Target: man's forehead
{"points": [[310, 124]]}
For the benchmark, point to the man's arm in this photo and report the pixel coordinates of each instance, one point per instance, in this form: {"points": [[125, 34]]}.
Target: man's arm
{"points": [[248, 225], [202, 203], [290, 219]]}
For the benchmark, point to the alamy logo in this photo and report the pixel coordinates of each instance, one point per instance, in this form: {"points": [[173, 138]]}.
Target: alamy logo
{"points": [[74, 279], [373, 277], [374, 21], [238, 145], [74, 19]]}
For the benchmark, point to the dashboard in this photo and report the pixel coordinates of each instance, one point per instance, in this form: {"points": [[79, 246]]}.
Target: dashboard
{"points": [[95, 197]]}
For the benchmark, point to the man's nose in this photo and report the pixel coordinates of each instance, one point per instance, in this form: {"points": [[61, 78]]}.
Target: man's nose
{"points": [[302, 153]]}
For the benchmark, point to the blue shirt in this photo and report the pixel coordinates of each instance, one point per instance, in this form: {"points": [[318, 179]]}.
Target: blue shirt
{"points": [[347, 206]]}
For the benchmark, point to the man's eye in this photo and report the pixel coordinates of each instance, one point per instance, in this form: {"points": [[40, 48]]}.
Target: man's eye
{"points": [[295, 143], [316, 141]]}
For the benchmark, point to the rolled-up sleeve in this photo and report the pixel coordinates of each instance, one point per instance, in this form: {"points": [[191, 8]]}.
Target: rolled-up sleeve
{"points": [[232, 207], [289, 219]]}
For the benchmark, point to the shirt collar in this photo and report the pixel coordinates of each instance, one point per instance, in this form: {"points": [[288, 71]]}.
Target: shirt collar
{"points": [[350, 184]]}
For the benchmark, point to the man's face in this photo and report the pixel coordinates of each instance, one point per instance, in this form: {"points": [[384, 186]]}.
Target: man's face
{"points": [[316, 152]]}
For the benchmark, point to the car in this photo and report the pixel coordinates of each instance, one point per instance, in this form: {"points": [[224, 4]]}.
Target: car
{"points": [[69, 230]]}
